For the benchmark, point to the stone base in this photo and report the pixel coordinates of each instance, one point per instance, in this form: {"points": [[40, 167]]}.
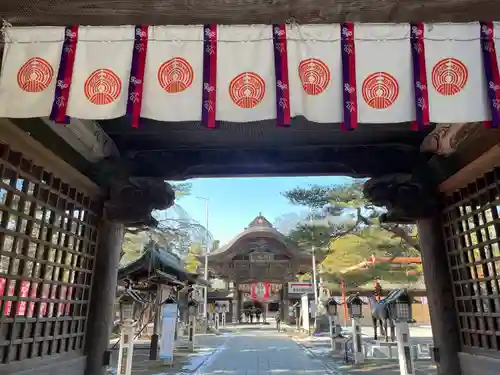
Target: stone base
{"points": [[385, 351], [322, 324]]}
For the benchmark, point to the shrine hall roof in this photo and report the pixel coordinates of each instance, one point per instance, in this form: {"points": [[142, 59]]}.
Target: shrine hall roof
{"points": [[259, 228], [157, 266]]}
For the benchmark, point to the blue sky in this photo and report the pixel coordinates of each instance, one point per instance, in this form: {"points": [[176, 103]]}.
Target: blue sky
{"points": [[234, 202]]}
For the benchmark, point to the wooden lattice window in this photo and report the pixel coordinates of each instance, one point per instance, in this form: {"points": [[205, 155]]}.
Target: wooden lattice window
{"points": [[472, 234], [47, 246]]}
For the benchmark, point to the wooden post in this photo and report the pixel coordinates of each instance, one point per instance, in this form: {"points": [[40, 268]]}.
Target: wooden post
{"points": [[357, 343], [235, 310], [153, 350], [344, 302], [102, 305], [406, 365], [238, 309], [286, 315], [440, 296]]}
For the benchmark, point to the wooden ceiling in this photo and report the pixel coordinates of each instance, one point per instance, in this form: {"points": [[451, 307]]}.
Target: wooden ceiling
{"points": [[155, 12]]}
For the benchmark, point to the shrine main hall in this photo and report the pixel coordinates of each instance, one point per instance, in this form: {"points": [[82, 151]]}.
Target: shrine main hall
{"points": [[260, 268]]}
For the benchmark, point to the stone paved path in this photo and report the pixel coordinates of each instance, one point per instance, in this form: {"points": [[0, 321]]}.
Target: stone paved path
{"points": [[261, 352]]}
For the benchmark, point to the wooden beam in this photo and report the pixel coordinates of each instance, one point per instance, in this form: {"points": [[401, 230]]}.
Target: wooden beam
{"points": [[475, 169], [164, 12], [21, 141]]}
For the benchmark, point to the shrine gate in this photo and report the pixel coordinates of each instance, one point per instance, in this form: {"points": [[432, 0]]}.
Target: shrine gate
{"points": [[259, 263], [94, 119]]}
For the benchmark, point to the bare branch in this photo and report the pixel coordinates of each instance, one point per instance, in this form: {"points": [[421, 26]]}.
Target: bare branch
{"points": [[400, 232], [395, 229], [359, 220]]}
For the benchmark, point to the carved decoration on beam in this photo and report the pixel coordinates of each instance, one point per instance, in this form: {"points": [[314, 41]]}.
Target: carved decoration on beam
{"points": [[406, 197], [260, 256], [445, 139], [131, 200]]}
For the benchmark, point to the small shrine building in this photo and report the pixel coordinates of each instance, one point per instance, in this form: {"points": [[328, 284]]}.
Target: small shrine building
{"points": [[259, 263]]}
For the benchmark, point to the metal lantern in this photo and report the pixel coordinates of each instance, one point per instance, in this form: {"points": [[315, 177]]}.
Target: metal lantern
{"points": [[355, 306], [131, 304], [332, 306], [192, 307], [400, 307]]}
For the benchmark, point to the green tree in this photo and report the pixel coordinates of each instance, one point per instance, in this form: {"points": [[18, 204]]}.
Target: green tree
{"points": [[191, 263], [347, 201], [353, 249], [345, 228]]}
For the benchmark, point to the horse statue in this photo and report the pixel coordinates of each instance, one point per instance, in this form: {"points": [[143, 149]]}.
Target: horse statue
{"points": [[380, 313]]}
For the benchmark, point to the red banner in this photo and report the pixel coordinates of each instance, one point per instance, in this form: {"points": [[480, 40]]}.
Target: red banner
{"points": [[62, 305], [45, 295], [68, 297], [3, 281], [31, 305], [260, 291], [53, 291], [10, 293], [24, 292]]}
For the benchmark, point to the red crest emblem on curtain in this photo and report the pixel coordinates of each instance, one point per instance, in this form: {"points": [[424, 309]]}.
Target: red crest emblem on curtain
{"points": [[247, 90], [175, 75], [103, 87], [449, 76], [314, 75], [35, 75], [380, 90], [260, 291]]}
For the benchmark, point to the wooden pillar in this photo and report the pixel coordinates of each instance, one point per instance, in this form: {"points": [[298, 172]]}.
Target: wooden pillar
{"points": [[236, 305], [440, 296], [101, 315], [286, 315], [153, 350], [240, 303], [282, 304]]}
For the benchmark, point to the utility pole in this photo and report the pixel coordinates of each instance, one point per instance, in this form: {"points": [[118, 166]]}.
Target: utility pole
{"points": [[315, 281], [207, 247]]}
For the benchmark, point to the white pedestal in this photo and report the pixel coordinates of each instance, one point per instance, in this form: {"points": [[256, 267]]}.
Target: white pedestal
{"points": [[330, 330], [223, 319], [126, 351], [217, 321], [192, 332], [406, 365], [358, 354]]}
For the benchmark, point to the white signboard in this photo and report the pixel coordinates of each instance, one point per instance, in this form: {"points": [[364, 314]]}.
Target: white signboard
{"points": [[300, 288], [168, 331]]}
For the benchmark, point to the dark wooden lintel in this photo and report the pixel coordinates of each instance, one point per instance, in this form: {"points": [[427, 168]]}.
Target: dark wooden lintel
{"points": [[164, 12], [356, 161]]}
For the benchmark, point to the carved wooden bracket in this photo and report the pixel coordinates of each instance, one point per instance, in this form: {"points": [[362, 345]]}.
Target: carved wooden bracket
{"points": [[406, 197], [132, 199], [445, 139]]}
